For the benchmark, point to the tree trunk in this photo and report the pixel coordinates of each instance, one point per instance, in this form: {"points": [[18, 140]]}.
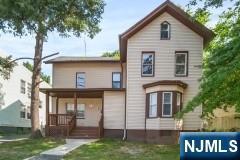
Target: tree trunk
{"points": [[36, 133]]}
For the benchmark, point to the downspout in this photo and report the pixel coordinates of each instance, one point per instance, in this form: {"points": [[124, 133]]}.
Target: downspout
{"points": [[125, 110]]}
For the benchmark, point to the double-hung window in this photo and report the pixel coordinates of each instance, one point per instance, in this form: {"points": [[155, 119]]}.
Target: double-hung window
{"points": [[148, 64], [81, 111], [181, 67], [29, 86], [80, 80], [178, 99], [23, 113], [40, 104], [165, 31], [23, 86], [167, 104], [153, 105], [116, 80], [28, 115], [70, 108]]}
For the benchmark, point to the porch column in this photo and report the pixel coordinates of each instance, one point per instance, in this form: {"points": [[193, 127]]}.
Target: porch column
{"points": [[75, 102], [57, 99], [47, 114]]}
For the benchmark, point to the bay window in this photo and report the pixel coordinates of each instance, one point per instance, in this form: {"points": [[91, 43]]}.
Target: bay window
{"points": [[167, 104], [153, 105]]}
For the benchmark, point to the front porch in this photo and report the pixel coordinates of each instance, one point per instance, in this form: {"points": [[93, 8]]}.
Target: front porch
{"points": [[75, 113]]}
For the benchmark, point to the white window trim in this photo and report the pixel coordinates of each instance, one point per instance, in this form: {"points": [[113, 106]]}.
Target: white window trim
{"points": [[185, 63], [148, 75], [166, 103], [150, 105], [83, 73], [168, 30], [22, 86], [84, 111], [24, 114], [178, 99], [113, 73], [69, 104]]}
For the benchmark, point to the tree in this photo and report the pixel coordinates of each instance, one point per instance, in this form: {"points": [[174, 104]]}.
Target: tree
{"points": [[220, 83], [6, 67], [1, 96], [44, 77], [39, 17], [115, 54], [201, 15]]}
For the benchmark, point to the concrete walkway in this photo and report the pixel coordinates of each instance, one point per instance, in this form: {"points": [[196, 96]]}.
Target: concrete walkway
{"points": [[12, 138], [59, 152]]}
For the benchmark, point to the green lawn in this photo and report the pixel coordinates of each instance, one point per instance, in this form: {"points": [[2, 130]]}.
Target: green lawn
{"points": [[26, 148], [109, 149]]}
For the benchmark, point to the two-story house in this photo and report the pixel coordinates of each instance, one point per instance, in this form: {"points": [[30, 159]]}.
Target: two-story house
{"points": [[136, 97], [15, 100]]}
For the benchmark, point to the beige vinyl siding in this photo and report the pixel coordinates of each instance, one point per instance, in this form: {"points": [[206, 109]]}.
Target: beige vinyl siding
{"points": [[92, 114], [98, 75], [114, 106], [148, 39], [160, 124]]}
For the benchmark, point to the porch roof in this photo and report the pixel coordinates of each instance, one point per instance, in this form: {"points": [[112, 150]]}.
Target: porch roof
{"points": [[80, 92], [166, 82]]}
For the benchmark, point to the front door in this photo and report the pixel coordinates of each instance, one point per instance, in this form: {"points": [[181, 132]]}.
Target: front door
{"points": [[88, 115]]}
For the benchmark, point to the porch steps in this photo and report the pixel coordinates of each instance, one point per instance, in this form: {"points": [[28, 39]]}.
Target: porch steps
{"points": [[84, 133]]}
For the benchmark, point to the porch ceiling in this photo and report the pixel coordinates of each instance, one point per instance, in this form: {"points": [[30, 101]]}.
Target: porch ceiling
{"points": [[81, 93]]}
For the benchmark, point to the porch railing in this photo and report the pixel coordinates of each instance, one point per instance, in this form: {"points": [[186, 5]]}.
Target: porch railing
{"points": [[63, 123], [71, 124], [59, 119]]}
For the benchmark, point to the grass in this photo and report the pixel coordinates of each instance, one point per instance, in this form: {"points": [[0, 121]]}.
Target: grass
{"points": [[27, 148], [109, 149]]}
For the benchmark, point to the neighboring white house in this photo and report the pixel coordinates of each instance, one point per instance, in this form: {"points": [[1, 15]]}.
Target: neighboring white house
{"points": [[16, 99]]}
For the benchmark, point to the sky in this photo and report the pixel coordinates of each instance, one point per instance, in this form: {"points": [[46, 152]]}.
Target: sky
{"points": [[118, 16]]}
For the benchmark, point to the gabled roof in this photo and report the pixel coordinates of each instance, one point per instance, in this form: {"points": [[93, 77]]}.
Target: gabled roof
{"points": [[174, 11], [71, 59]]}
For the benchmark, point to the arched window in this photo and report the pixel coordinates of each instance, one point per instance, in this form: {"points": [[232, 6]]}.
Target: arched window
{"points": [[165, 30]]}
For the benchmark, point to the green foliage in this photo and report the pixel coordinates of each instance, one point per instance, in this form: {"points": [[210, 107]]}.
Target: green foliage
{"points": [[23, 17], [201, 15], [115, 54], [6, 66], [44, 77], [220, 83]]}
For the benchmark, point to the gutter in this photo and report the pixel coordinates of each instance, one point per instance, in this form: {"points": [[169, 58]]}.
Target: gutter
{"points": [[125, 107]]}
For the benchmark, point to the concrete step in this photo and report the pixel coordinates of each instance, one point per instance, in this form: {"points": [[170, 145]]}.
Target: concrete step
{"points": [[89, 130], [82, 137], [84, 133]]}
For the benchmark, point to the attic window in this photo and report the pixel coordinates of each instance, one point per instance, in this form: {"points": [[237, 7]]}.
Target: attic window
{"points": [[165, 30]]}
